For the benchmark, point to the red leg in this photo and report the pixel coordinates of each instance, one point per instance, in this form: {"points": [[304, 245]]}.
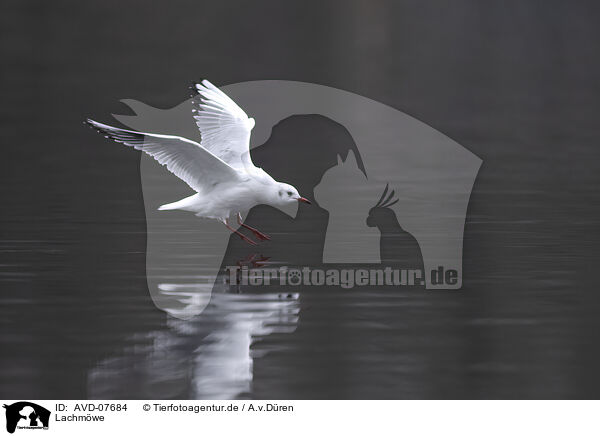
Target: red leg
{"points": [[246, 260], [259, 263], [245, 238], [260, 235]]}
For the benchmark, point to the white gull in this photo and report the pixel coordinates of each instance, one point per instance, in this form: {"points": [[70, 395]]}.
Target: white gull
{"points": [[219, 168]]}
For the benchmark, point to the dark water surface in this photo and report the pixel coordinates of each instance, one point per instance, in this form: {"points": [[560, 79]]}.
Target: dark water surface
{"points": [[514, 82]]}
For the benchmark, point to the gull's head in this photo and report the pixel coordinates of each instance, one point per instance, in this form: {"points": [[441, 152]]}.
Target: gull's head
{"points": [[287, 194]]}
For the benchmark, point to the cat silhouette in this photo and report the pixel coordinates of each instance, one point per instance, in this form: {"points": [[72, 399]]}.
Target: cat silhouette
{"points": [[347, 194]]}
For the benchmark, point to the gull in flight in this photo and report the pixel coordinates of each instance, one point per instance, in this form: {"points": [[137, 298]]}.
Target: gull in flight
{"points": [[219, 168]]}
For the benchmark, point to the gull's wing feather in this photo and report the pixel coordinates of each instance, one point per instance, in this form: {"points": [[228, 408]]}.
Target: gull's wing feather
{"points": [[185, 158], [224, 126]]}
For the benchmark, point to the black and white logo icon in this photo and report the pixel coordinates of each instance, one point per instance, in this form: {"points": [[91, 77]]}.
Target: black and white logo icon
{"points": [[26, 415]]}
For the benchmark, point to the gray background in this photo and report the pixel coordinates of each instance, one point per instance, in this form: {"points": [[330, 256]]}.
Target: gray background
{"points": [[515, 82]]}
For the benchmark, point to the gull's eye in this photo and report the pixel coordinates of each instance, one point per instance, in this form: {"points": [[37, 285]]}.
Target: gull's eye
{"points": [[280, 192], [289, 193]]}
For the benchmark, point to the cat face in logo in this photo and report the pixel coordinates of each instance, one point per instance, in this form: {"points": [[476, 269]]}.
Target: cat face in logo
{"points": [[340, 182]]}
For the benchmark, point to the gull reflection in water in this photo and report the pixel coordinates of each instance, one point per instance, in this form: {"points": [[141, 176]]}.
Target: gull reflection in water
{"points": [[207, 357]]}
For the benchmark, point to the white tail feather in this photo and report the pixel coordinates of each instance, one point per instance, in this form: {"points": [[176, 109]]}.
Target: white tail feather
{"points": [[183, 204], [169, 206]]}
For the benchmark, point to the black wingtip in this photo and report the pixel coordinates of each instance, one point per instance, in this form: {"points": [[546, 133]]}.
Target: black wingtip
{"points": [[91, 123], [96, 126]]}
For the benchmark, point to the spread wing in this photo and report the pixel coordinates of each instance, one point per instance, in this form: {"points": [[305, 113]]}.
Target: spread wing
{"points": [[224, 126], [185, 158]]}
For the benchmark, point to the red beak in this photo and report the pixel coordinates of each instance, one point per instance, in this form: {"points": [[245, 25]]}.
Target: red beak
{"points": [[304, 200]]}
